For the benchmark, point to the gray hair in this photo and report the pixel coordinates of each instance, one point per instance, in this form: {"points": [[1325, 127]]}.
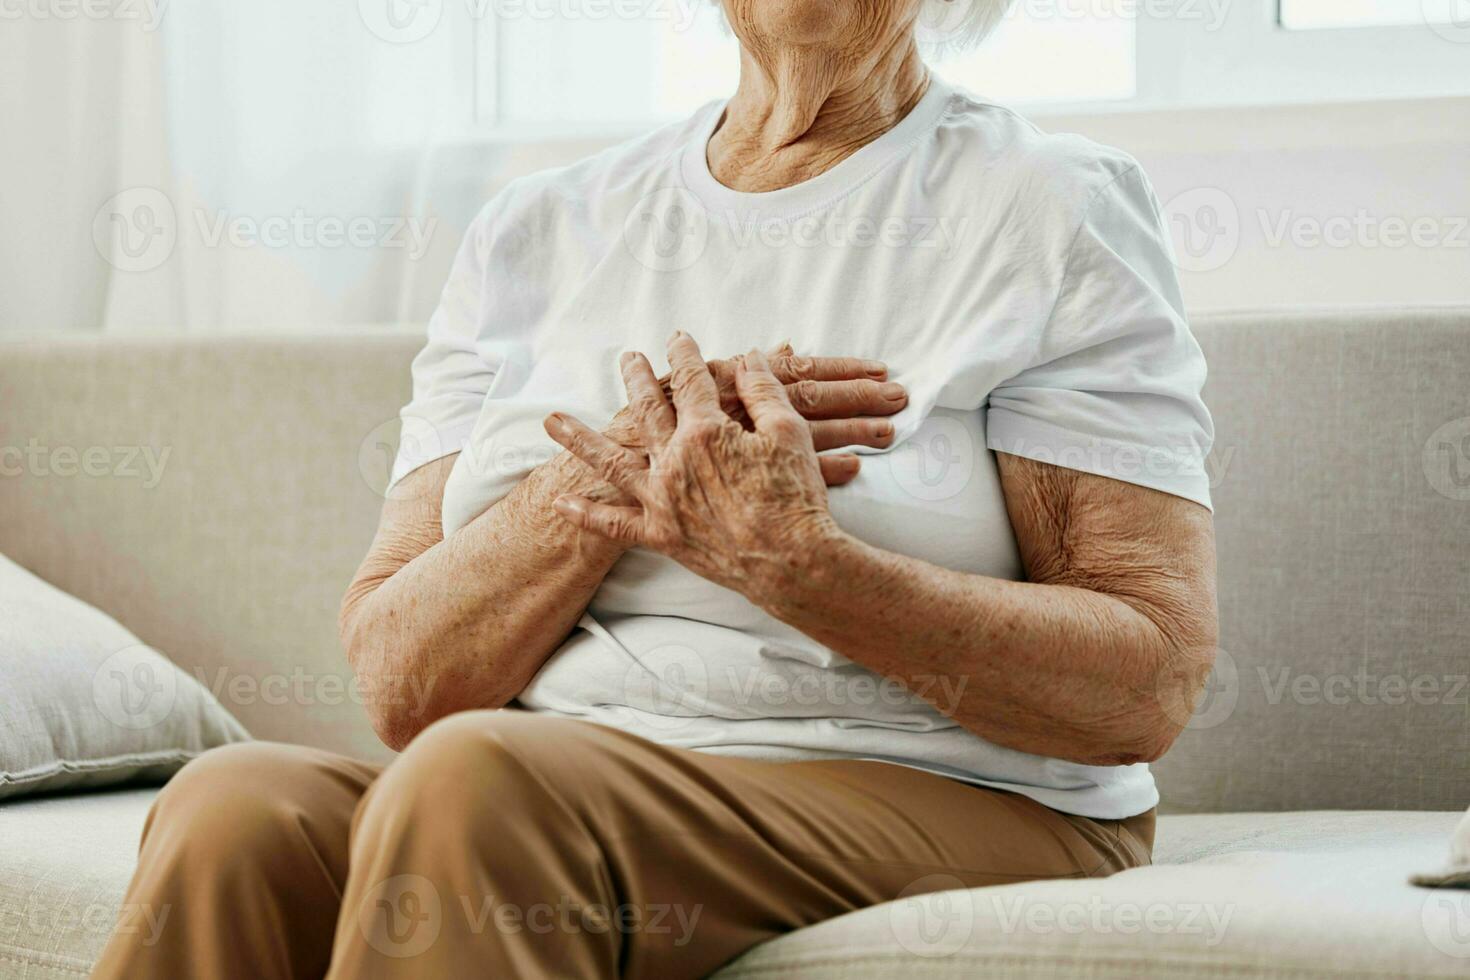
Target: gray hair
{"points": [[947, 26]]}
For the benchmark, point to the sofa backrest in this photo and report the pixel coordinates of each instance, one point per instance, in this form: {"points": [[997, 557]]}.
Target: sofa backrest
{"points": [[1342, 516], [215, 495]]}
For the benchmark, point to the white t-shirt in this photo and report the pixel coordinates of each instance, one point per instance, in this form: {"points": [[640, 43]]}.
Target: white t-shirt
{"points": [[1018, 284]]}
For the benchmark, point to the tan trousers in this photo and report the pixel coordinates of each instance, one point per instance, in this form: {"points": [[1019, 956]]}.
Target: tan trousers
{"points": [[507, 844]]}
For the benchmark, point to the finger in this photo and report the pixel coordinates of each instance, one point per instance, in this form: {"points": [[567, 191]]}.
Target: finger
{"points": [[837, 470], [791, 368], [618, 523], [877, 433], [764, 397], [646, 397], [846, 399], [619, 466], [696, 395]]}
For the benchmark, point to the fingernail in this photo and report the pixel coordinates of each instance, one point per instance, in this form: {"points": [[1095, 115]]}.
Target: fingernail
{"points": [[556, 421], [676, 336], [876, 369], [627, 358], [567, 505], [883, 429], [892, 391]]}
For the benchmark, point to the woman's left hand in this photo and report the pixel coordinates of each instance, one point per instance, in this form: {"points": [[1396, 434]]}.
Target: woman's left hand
{"points": [[729, 504]]}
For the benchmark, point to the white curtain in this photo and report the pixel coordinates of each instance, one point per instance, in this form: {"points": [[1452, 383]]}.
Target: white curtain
{"points": [[220, 165]]}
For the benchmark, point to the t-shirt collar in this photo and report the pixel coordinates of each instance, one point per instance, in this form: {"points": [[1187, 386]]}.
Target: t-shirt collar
{"points": [[818, 192]]}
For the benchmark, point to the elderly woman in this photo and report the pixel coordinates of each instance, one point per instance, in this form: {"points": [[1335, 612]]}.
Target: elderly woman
{"points": [[907, 605]]}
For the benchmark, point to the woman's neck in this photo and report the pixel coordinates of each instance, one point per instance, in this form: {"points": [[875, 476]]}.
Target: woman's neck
{"points": [[801, 110]]}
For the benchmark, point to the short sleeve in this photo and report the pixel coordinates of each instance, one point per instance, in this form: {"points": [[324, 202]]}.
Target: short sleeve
{"points": [[450, 378], [1114, 386]]}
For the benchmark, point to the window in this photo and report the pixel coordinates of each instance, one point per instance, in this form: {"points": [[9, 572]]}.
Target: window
{"points": [[619, 65], [1316, 14], [557, 63]]}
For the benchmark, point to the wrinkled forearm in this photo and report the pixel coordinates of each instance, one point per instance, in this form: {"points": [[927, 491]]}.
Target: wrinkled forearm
{"points": [[1049, 669], [466, 622]]}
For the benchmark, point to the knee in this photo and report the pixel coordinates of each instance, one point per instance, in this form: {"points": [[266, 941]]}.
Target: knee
{"points": [[242, 799], [477, 766]]}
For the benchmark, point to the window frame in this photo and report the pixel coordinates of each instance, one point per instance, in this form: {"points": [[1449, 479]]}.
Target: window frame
{"points": [[1250, 59]]}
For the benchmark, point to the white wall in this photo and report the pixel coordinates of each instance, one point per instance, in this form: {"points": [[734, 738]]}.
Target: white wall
{"points": [[1244, 190], [1361, 204]]}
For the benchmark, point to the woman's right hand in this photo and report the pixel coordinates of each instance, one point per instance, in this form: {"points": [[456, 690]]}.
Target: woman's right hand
{"points": [[845, 400]]}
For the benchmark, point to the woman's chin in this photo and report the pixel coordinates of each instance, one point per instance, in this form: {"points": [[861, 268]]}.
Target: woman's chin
{"points": [[795, 22]]}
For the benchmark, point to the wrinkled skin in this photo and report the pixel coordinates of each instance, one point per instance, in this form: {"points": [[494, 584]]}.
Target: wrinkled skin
{"points": [[433, 625], [1097, 659], [713, 495]]}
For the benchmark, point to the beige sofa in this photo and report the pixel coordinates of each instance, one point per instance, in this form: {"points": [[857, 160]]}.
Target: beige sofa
{"points": [[1329, 761]]}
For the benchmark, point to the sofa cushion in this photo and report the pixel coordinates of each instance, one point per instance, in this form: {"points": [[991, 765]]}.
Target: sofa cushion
{"points": [[1283, 895], [83, 703], [65, 862]]}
